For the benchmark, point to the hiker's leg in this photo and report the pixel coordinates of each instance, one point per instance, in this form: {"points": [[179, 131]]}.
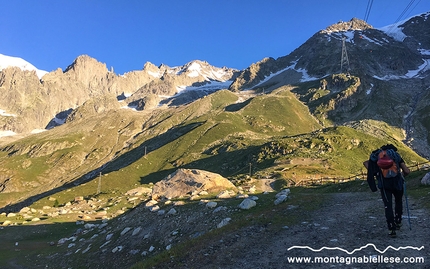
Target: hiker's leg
{"points": [[387, 198], [398, 208]]}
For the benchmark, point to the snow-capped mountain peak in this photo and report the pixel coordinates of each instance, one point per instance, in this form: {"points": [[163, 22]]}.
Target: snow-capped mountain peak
{"points": [[198, 68], [9, 61]]}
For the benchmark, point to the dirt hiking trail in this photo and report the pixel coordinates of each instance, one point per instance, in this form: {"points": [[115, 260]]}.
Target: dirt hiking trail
{"points": [[349, 220]]}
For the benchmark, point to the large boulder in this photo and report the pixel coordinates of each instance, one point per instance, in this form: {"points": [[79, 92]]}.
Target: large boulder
{"points": [[186, 182]]}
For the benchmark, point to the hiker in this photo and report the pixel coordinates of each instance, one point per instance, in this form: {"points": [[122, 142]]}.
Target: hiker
{"points": [[389, 168]]}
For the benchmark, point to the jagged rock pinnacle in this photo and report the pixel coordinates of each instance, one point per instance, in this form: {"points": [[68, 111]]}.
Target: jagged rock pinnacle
{"points": [[353, 24]]}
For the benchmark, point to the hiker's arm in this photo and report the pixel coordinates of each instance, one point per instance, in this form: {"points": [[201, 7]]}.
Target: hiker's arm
{"points": [[405, 169], [366, 164]]}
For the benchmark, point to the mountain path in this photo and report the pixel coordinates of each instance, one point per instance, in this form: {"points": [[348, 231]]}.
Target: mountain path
{"points": [[349, 221]]}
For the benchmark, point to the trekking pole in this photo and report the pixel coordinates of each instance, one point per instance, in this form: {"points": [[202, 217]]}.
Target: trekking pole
{"points": [[407, 206]]}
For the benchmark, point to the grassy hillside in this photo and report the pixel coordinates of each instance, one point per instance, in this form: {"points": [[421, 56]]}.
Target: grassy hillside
{"points": [[103, 156], [272, 134]]}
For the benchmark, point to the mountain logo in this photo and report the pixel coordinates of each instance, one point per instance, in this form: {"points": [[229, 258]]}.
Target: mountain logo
{"points": [[357, 249]]}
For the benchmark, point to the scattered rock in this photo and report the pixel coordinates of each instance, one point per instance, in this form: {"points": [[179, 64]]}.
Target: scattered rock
{"points": [[226, 194], [136, 231], [247, 203], [172, 211], [109, 236], [63, 212], [125, 230], [133, 251], [211, 204], [281, 196], [194, 197], [24, 210], [151, 203], [87, 249], [101, 226], [154, 208], [89, 226], [119, 212], [117, 249], [224, 222], [280, 199], [94, 236], [138, 191], [7, 223], [220, 208], [426, 179], [103, 245]]}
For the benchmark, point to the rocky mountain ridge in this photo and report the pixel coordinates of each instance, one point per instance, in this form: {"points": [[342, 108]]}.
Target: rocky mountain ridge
{"points": [[30, 103], [391, 63]]}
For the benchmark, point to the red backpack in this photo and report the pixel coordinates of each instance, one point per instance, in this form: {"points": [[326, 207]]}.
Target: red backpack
{"points": [[388, 166]]}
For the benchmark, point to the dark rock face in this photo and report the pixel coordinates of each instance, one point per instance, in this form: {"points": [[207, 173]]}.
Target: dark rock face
{"points": [[390, 66], [371, 52]]}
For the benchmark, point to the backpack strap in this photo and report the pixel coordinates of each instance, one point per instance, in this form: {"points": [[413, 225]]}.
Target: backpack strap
{"points": [[396, 158], [374, 155], [393, 155]]}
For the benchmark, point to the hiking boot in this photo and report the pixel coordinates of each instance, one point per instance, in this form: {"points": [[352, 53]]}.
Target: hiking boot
{"points": [[392, 233], [398, 225]]}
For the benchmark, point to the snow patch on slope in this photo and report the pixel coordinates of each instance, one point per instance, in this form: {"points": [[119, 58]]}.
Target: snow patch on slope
{"points": [[198, 68], [411, 73], [394, 31], [9, 61], [212, 86], [5, 114], [305, 75], [195, 70], [155, 74], [7, 133]]}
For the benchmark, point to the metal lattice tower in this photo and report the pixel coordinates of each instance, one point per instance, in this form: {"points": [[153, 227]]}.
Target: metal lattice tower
{"points": [[344, 60]]}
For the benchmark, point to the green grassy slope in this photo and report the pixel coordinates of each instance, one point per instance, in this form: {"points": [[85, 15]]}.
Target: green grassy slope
{"points": [[272, 133]]}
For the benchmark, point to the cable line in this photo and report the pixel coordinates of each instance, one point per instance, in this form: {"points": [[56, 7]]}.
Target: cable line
{"points": [[404, 11], [368, 8], [391, 29], [410, 11]]}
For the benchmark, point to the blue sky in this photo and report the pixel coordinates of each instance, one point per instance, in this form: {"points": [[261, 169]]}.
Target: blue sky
{"points": [[50, 34]]}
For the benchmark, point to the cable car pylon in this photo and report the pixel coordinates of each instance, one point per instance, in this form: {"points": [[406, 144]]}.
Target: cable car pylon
{"points": [[344, 60]]}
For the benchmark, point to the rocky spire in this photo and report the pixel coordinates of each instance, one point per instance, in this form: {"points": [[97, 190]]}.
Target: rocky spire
{"points": [[353, 24]]}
